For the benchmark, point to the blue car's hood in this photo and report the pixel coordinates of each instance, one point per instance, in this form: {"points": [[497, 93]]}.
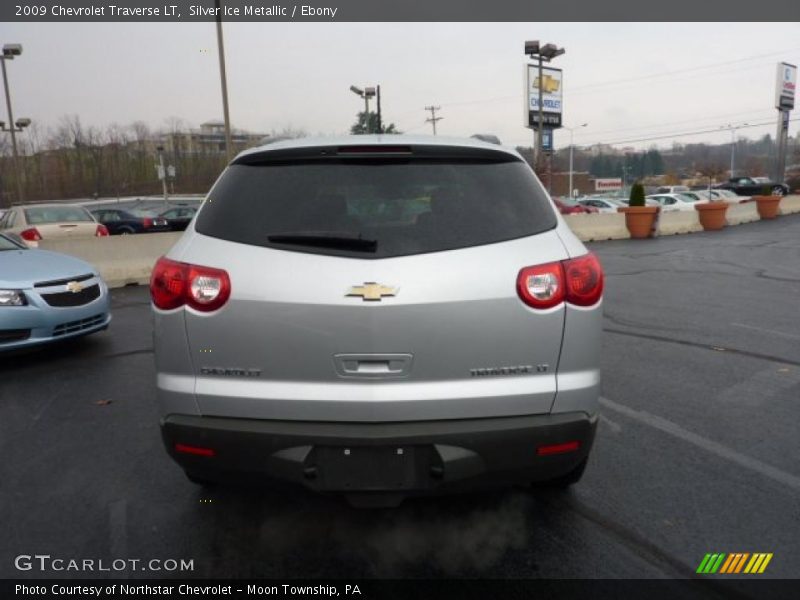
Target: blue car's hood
{"points": [[22, 268]]}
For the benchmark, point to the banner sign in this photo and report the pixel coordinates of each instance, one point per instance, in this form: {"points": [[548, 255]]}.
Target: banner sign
{"points": [[785, 84], [552, 96], [608, 184]]}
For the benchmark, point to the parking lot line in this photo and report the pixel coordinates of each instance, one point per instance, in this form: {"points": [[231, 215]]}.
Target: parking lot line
{"points": [[769, 331], [762, 468]]}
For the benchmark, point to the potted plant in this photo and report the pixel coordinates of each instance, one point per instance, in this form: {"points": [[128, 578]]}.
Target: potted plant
{"points": [[712, 213], [639, 218], [767, 203]]}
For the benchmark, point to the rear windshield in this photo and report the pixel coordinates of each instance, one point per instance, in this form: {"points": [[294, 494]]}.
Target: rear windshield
{"points": [[405, 206], [56, 214]]}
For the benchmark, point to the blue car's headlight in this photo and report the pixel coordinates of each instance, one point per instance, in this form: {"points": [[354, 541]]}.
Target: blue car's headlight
{"points": [[12, 298]]}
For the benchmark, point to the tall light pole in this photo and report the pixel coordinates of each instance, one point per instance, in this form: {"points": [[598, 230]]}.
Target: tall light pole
{"points": [[733, 129], [224, 83], [542, 54], [571, 148], [366, 94], [9, 52]]}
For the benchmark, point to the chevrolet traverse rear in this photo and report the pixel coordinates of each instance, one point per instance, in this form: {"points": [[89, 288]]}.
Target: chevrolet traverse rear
{"points": [[379, 316]]}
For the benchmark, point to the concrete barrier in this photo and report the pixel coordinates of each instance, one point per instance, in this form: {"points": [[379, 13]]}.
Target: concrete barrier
{"points": [[745, 212], [598, 226], [789, 205], [678, 221], [120, 259]]}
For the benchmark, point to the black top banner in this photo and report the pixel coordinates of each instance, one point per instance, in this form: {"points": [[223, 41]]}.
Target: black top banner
{"points": [[406, 10]]}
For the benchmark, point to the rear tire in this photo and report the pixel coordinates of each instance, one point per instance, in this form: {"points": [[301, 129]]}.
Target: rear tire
{"points": [[778, 191], [566, 480], [126, 231]]}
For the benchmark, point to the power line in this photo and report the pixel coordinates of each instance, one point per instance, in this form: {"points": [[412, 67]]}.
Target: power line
{"points": [[682, 71], [433, 118], [604, 84], [689, 133]]}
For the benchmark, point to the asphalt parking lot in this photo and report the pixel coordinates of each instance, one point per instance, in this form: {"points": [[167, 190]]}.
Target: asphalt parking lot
{"points": [[697, 449]]}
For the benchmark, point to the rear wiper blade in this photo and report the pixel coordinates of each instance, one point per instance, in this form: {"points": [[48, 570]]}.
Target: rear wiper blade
{"points": [[325, 240]]}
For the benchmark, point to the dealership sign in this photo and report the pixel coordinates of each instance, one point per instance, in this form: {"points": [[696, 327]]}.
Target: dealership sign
{"points": [[608, 184], [552, 96], [785, 84]]}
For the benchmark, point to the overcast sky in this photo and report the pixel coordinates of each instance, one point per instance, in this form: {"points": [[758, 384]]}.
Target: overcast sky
{"points": [[686, 77]]}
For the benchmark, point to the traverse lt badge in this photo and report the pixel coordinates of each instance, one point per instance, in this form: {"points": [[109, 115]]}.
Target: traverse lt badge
{"points": [[371, 291]]}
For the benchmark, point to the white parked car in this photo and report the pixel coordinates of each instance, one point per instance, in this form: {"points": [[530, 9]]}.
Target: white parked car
{"points": [[603, 205], [672, 189], [673, 202]]}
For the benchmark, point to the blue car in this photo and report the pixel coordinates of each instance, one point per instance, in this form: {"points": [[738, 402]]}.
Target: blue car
{"points": [[46, 296]]}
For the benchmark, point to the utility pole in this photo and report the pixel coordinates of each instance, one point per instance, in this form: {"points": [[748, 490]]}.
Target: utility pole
{"points": [[9, 52], [224, 82], [733, 129], [380, 123], [162, 173], [433, 118]]}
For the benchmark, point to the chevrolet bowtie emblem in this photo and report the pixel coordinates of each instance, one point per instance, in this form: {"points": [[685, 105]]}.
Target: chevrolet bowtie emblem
{"points": [[372, 291], [551, 84], [74, 287]]}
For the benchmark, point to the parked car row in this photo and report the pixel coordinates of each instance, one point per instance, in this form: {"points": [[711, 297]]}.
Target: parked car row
{"points": [[35, 222]]}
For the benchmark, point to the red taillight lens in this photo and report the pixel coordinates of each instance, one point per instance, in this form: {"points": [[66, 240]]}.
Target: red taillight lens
{"points": [[30, 235], [147, 222], [173, 284], [549, 449], [541, 286], [578, 281], [584, 280], [196, 450], [102, 231]]}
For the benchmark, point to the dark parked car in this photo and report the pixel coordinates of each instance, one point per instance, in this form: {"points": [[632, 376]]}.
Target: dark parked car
{"points": [[753, 186], [179, 217], [122, 222]]}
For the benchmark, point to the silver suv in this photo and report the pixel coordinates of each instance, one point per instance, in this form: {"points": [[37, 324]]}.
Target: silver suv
{"points": [[379, 317]]}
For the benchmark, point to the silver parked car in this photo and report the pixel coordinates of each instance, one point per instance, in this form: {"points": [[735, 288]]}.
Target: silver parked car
{"points": [[379, 317]]}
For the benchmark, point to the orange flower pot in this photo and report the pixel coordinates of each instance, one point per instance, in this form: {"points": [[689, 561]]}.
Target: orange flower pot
{"points": [[767, 206], [712, 214], [640, 220]]}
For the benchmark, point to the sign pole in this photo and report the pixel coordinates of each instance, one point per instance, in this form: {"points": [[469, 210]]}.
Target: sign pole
{"points": [[540, 127]]}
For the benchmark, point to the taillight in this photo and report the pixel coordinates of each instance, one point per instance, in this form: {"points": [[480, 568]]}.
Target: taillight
{"points": [[541, 286], [147, 222], [173, 284], [30, 235], [584, 277], [101, 231], [578, 281]]}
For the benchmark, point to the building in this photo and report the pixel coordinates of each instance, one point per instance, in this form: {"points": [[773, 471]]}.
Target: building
{"points": [[208, 139]]}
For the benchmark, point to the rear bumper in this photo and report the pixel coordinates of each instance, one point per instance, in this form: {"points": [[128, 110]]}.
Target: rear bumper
{"points": [[406, 458]]}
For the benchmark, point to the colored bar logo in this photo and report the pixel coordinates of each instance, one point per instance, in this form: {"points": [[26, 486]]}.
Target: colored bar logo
{"points": [[734, 563]]}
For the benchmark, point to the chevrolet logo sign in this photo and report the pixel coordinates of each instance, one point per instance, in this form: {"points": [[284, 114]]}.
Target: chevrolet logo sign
{"points": [[551, 84], [372, 291], [74, 287]]}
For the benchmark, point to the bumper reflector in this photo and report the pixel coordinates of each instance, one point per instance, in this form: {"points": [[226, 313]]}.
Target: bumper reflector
{"points": [[196, 450], [558, 448]]}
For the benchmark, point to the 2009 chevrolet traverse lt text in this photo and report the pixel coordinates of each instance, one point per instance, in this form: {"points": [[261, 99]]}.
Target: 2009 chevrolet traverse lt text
{"points": [[379, 316]]}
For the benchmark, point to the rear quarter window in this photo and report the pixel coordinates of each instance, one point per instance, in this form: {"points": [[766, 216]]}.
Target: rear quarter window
{"points": [[406, 205]]}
